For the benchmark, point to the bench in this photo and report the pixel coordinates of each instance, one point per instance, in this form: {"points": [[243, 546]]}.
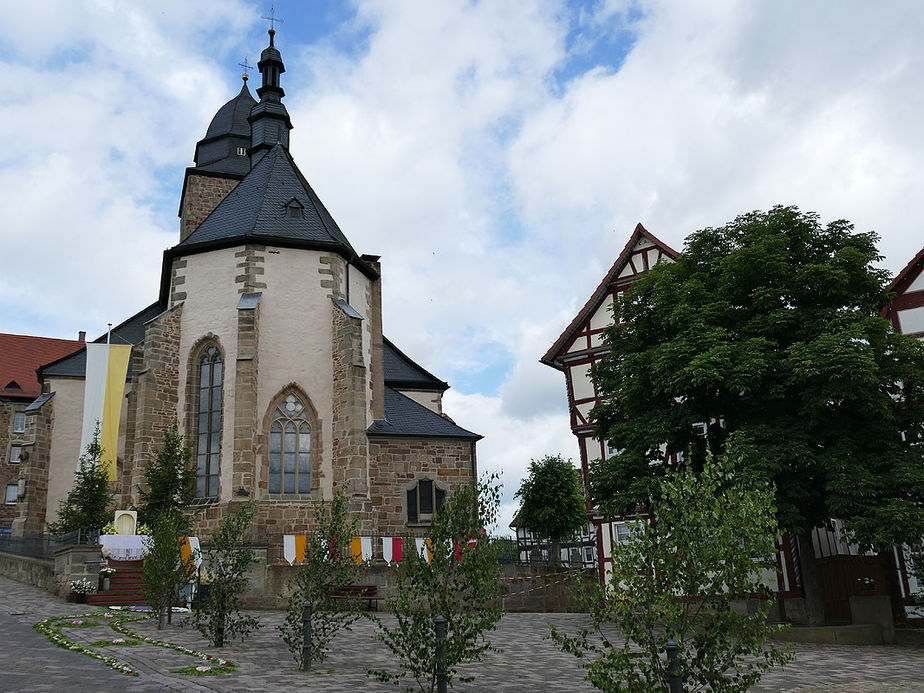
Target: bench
{"points": [[364, 593]]}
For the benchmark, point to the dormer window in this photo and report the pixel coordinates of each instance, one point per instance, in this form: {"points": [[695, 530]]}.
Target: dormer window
{"points": [[294, 209], [242, 151], [12, 385]]}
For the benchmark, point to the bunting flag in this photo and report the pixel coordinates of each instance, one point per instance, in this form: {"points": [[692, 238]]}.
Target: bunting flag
{"points": [[392, 549], [424, 549], [189, 551], [293, 548], [366, 544], [356, 548], [196, 551], [104, 390]]}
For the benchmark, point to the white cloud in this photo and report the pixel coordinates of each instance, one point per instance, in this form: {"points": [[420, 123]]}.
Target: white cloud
{"points": [[497, 195]]}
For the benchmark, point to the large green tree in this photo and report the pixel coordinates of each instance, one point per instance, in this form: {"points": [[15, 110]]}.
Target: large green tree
{"points": [[551, 501], [767, 331]]}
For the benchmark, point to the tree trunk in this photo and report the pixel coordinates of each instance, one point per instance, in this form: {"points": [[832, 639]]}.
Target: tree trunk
{"points": [[814, 605], [162, 615]]}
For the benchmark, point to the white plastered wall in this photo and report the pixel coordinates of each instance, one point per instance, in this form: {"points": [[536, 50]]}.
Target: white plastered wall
{"points": [[210, 308], [431, 400], [65, 438]]}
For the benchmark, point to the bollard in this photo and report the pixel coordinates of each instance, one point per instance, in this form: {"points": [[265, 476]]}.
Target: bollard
{"points": [[439, 625], [674, 679], [306, 637]]}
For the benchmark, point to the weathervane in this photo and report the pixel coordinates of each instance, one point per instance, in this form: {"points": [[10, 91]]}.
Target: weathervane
{"points": [[272, 18], [247, 68]]}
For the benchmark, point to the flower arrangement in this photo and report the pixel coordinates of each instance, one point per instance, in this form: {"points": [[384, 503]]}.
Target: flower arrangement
{"points": [[109, 528], [142, 528], [52, 629], [82, 586], [106, 572]]}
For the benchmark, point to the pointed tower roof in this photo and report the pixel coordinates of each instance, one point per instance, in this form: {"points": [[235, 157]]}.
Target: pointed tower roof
{"points": [[632, 261]]}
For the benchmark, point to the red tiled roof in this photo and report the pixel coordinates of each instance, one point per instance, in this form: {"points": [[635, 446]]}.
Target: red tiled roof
{"points": [[21, 354]]}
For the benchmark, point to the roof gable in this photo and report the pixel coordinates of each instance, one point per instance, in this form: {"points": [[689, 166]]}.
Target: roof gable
{"points": [[911, 278], [22, 355], [640, 253]]}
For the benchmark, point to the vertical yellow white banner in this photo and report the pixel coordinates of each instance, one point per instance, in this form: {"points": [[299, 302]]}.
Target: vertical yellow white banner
{"points": [[107, 366]]}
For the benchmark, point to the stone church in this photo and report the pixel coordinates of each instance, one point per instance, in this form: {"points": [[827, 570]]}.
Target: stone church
{"points": [[266, 345]]}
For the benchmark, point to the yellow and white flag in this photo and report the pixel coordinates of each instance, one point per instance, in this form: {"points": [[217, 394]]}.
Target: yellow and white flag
{"points": [[107, 366]]}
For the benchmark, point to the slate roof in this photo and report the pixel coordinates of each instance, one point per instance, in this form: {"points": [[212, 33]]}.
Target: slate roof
{"points": [[402, 373], [129, 332], [231, 119], [20, 357], [405, 417], [256, 210]]}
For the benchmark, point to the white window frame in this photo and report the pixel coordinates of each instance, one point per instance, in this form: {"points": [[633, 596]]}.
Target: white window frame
{"points": [[19, 416], [11, 500], [15, 454]]}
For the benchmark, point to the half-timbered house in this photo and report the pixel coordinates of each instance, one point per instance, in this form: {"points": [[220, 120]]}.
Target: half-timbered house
{"points": [[582, 344]]}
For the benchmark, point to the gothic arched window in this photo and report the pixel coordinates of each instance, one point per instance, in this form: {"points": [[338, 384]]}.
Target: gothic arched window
{"points": [[290, 448], [208, 423]]}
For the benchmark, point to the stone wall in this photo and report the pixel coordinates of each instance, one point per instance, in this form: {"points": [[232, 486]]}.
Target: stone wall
{"points": [[156, 388], [524, 588], [201, 195], [75, 563], [349, 447], [396, 462], [9, 472], [39, 572], [31, 507]]}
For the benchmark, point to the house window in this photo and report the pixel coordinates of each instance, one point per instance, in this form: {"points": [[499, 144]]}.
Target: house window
{"points": [[424, 498], [15, 453], [208, 431], [19, 422], [242, 151], [11, 491], [622, 531], [290, 448]]}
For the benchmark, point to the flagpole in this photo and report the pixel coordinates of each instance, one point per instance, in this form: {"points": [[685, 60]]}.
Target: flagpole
{"points": [[108, 333]]}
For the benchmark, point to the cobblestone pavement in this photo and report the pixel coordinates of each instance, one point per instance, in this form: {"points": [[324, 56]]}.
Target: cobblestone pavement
{"points": [[527, 662]]}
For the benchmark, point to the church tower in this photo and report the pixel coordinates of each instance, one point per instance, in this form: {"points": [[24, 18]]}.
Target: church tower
{"points": [[269, 349]]}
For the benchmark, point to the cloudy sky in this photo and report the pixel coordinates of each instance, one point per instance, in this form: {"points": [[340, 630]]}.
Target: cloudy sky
{"points": [[496, 154]]}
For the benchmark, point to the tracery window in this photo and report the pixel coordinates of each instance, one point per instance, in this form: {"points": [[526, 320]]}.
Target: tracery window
{"points": [[208, 431], [290, 448]]}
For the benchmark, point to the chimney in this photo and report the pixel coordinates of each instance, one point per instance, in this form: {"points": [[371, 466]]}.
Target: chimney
{"points": [[82, 336]]}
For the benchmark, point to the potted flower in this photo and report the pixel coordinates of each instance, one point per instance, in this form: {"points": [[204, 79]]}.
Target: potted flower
{"points": [[80, 589], [105, 573]]}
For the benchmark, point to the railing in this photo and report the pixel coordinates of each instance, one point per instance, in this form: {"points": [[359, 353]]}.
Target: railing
{"points": [[45, 545]]}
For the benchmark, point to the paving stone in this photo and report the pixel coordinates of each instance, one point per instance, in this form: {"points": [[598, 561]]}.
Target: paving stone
{"points": [[526, 660]]}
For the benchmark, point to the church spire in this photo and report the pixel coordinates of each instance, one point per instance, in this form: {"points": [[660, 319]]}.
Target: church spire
{"points": [[269, 119]]}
